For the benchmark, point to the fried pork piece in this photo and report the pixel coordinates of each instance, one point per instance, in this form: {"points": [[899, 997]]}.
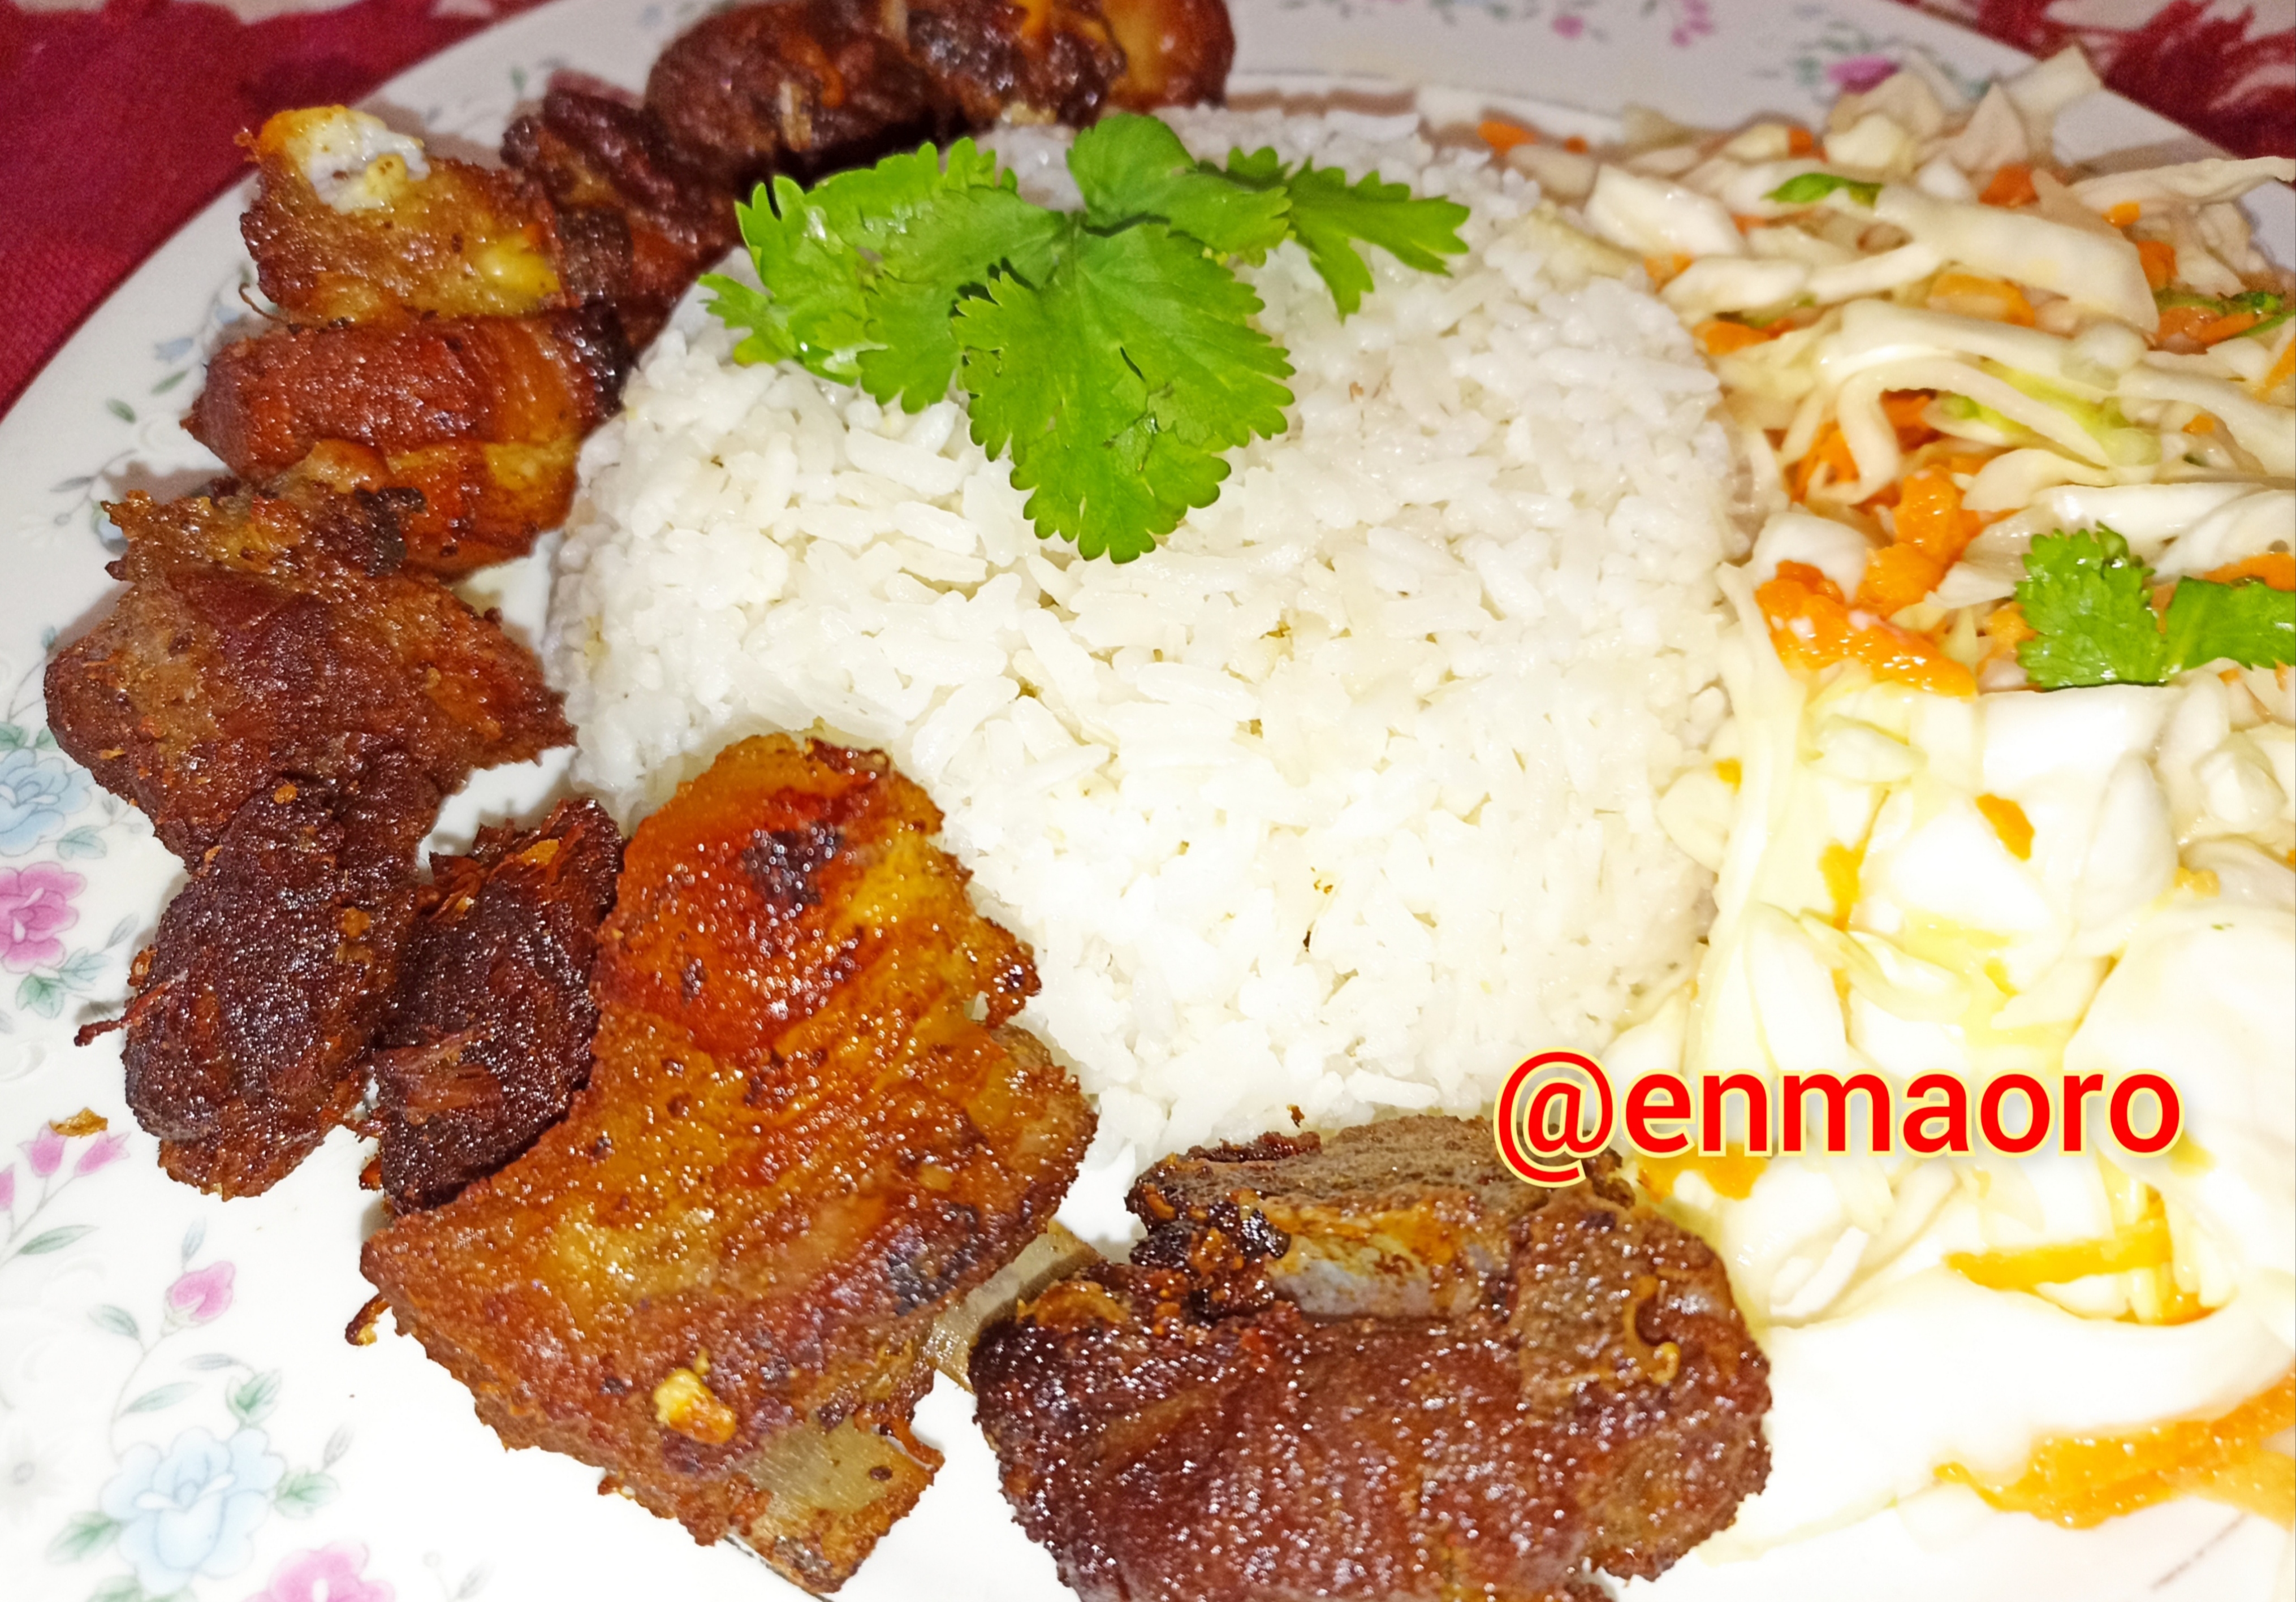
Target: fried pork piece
{"points": [[269, 972], [642, 219], [1178, 1430], [800, 1146], [488, 1037], [1414, 1217], [353, 223], [483, 415], [267, 635], [1177, 53], [801, 86]]}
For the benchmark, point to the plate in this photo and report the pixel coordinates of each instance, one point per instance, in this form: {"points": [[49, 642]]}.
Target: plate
{"points": [[180, 1414]]}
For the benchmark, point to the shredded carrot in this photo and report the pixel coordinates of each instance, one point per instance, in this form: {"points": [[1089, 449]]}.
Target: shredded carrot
{"points": [[1730, 771], [1799, 141], [1831, 450], [2283, 368], [1503, 137], [1932, 532], [1971, 296], [1842, 865], [2124, 214], [1732, 1175], [2277, 569], [1814, 626], [1908, 412], [1576, 145], [2081, 1481], [2202, 424], [2203, 326], [1746, 225], [1720, 336], [2016, 833], [2005, 630], [1662, 269], [2159, 260], [2012, 186]]}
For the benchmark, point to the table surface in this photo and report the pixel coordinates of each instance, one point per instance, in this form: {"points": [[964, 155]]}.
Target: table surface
{"points": [[119, 118]]}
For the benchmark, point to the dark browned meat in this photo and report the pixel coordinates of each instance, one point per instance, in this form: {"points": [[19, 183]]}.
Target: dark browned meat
{"points": [[807, 1134], [483, 415], [1048, 60], [1179, 1430], [801, 86], [269, 972], [460, 241], [489, 1036], [639, 218], [268, 635]]}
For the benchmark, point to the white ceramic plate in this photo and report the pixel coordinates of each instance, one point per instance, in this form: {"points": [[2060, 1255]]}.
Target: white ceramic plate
{"points": [[180, 1414]]}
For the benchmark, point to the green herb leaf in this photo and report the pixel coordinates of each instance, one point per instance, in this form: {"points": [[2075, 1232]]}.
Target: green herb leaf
{"points": [[1135, 168], [943, 255], [2248, 622], [1118, 383], [2090, 606], [1810, 188], [1328, 215]]}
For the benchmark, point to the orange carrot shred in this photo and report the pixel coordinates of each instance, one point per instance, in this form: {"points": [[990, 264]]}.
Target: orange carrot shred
{"points": [[1813, 626], [1800, 142], [2010, 823], [2284, 368], [2124, 214], [1503, 137], [2012, 186], [2159, 260], [2277, 569], [1576, 145], [1719, 336], [1662, 269]]}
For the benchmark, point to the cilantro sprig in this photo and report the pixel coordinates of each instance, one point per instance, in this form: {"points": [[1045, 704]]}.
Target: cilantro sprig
{"points": [[2089, 603], [1109, 352]]}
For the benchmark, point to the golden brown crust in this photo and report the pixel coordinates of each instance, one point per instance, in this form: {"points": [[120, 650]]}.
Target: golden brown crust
{"points": [[1598, 1403], [463, 241], [262, 634], [484, 416], [797, 1147], [1177, 53]]}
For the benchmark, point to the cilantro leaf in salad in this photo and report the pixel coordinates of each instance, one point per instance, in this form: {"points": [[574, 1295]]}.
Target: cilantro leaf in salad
{"points": [[2089, 603]]}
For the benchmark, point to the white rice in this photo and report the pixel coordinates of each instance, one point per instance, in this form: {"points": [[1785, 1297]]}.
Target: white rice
{"points": [[1345, 798]]}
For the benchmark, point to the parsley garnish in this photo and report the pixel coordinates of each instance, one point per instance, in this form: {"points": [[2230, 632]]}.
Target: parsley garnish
{"points": [[1110, 352], [1810, 188], [2089, 604]]}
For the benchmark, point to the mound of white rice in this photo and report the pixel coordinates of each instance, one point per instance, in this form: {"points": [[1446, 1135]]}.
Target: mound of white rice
{"points": [[1344, 799]]}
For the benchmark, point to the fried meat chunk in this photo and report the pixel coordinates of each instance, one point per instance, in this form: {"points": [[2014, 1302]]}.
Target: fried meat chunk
{"points": [[353, 223], [489, 1037], [264, 635], [808, 1132], [638, 217], [483, 415], [1177, 53], [797, 86], [1185, 1428], [269, 972]]}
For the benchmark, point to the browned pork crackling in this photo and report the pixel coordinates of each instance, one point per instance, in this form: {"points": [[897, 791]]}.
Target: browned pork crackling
{"points": [[1499, 1390], [808, 1133]]}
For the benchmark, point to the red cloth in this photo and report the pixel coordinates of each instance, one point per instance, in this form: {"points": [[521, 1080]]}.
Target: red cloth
{"points": [[117, 124]]}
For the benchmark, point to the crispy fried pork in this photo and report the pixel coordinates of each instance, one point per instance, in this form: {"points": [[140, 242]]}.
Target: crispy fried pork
{"points": [[806, 87], [808, 1132], [346, 228], [270, 970], [638, 219], [267, 635], [489, 1037], [1248, 1412], [483, 415]]}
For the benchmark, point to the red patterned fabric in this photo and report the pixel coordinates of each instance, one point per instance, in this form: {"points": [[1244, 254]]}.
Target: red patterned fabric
{"points": [[117, 117]]}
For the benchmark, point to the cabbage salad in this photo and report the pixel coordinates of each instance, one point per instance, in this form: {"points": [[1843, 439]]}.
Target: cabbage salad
{"points": [[2006, 788]]}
